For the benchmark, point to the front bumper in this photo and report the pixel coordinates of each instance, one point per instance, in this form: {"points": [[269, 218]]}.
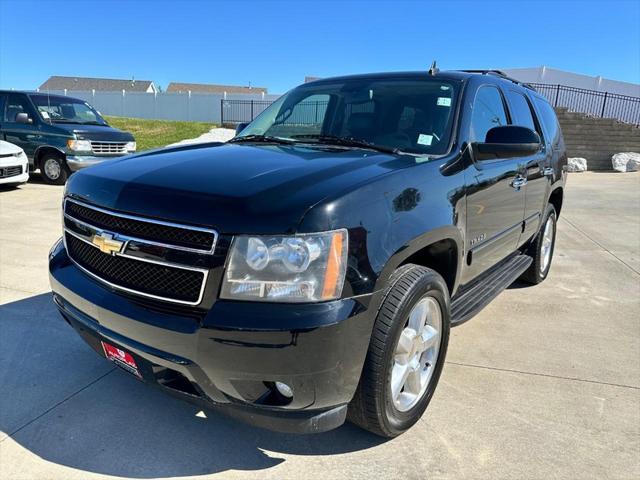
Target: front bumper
{"points": [[23, 178], [78, 162], [229, 357], [15, 179]]}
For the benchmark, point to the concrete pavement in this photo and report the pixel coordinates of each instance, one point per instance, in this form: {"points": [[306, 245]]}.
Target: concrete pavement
{"points": [[544, 383]]}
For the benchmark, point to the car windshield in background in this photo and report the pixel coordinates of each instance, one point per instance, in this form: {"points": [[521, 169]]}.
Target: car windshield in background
{"points": [[66, 110], [412, 116]]}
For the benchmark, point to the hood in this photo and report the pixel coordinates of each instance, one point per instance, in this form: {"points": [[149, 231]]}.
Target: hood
{"points": [[7, 148], [103, 133], [231, 187]]}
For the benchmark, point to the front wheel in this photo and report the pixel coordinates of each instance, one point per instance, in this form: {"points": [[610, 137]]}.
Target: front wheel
{"points": [[406, 353], [541, 249], [54, 170]]}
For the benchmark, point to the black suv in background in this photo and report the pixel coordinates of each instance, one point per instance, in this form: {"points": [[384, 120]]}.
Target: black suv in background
{"points": [[309, 270], [59, 134]]}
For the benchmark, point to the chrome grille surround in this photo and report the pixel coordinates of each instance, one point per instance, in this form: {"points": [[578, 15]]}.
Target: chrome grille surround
{"points": [[86, 233], [109, 148]]}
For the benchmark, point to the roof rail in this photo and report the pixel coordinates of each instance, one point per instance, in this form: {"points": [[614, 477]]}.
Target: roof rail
{"points": [[501, 74]]}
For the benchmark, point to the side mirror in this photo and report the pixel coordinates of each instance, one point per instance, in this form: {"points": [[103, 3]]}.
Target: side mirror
{"points": [[241, 126], [23, 118], [509, 141]]}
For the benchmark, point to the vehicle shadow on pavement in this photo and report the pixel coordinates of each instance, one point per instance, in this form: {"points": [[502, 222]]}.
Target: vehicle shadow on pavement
{"points": [[67, 405]]}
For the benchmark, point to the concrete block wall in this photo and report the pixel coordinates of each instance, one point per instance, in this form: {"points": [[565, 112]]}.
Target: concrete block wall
{"points": [[597, 139]]}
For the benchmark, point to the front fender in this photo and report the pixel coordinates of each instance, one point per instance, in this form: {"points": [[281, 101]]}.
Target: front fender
{"points": [[391, 218]]}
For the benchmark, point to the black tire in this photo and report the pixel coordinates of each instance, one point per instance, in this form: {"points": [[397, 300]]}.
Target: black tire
{"points": [[372, 407], [536, 273], [49, 174]]}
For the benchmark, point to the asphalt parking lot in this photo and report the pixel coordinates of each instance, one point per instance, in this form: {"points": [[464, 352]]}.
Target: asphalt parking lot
{"points": [[544, 383]]}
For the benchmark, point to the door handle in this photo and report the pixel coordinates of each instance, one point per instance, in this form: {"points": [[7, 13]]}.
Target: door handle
{"points": [[548, 171], [518, 182]]}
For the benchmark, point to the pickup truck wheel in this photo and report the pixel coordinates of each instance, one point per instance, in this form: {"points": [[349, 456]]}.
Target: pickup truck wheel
{"points": [[54, 170], [406, 353], [541, 249]]}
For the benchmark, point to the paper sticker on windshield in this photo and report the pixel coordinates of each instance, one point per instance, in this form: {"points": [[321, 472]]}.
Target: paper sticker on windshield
{"points": [[444, 102], [425, 139], [44, 114]]}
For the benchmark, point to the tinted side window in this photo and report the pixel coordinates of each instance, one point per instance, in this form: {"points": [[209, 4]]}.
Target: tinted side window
{"points": [[488, 112], [549, 120], [521, 111], [16, 104]]}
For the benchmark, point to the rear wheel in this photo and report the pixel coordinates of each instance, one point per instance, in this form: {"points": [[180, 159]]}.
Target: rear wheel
{"points": [[406, 353], [54, 170], [541, 249]]}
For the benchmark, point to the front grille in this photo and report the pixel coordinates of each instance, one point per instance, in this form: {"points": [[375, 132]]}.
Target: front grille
{"points": [[108, 148], [140, 277], [178, 236], [6, 172]]}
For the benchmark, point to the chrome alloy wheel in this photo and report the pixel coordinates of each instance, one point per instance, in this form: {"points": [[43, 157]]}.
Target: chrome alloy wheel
{"points": [[416, 354], [546, 245], [52, 168]]}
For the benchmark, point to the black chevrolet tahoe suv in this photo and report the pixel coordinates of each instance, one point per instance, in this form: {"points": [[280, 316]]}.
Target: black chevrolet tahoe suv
{"points": [[308, 271], [59, 134]]}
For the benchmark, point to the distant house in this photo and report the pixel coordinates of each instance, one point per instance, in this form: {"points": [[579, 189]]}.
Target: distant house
{"points": [[178, 87], [98, 84], [309, 78]]}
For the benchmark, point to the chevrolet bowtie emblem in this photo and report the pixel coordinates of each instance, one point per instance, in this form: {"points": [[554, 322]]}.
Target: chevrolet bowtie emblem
{"points": [[106, 243]]}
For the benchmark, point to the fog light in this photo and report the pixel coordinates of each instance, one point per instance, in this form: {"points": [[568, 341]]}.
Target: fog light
{"points": [[284, 389]]}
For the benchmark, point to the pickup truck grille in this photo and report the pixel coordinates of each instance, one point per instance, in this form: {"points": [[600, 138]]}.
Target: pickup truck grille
{"points": [[138, 262], [140, 277], [109, 148], [147, 230], [6, 172]]}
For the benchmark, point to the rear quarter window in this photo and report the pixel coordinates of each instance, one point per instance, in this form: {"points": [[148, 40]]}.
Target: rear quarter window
{"points": [[521, 113], [549, 120]]}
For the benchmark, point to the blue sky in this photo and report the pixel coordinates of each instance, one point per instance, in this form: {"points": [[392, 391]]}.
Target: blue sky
{"points": [[275, 44]]}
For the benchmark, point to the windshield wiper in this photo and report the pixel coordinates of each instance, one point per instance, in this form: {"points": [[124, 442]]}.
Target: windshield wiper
{"points": [[94, 123], [61, 120], [348, 142], [262, 139]]}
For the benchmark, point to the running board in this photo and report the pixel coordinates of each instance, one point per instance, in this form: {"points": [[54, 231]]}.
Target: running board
{"points": [[473, 298]]}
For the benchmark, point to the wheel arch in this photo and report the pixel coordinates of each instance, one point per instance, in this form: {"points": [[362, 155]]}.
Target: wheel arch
{"points": [[556, 198], [42, 151], [439, 250]]}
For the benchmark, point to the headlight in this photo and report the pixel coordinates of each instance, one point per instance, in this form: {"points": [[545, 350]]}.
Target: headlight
{"points": [[131, 146], [79, 145], [301, 268]]}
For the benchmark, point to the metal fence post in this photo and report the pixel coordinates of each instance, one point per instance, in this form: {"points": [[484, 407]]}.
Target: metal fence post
{"points": [[557, 95], [604, 103], [252, 110], [221, 111]]}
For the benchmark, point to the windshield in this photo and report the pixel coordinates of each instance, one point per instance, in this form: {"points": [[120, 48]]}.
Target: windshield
{"points": [[413, 116], [66, 110]]}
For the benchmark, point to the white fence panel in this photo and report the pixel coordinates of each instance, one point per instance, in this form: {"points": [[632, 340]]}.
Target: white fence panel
{"points": [[200, 107]]}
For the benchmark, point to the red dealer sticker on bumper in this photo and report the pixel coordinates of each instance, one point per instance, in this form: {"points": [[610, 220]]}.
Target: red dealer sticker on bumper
{"points": [[121, 358]]}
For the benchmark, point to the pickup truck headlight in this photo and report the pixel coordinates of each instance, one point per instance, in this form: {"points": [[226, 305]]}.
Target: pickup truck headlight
{"points": [[79, 145], [301, 268], [131, 147]]}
